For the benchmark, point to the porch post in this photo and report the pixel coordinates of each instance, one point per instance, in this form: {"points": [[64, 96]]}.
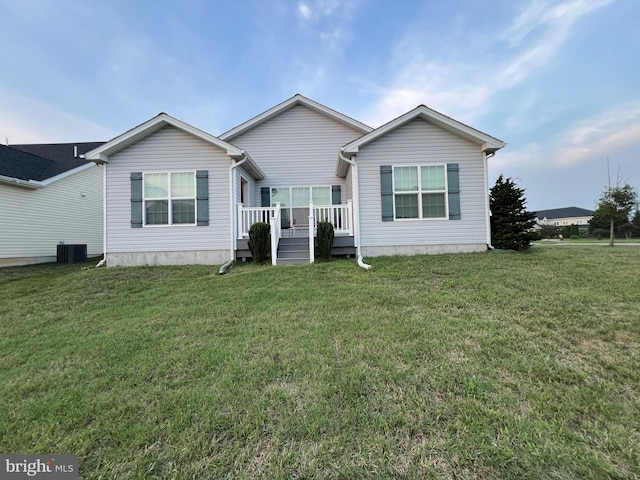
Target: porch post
{"points": [[240, 222], [312, 254]]}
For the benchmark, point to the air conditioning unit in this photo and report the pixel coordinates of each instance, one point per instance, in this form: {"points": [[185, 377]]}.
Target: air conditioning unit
{"points": [[70, 253]]}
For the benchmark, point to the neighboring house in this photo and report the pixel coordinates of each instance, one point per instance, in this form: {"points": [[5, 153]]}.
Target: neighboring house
{"points": [[561, 217], [48, 195], [178, 195]]}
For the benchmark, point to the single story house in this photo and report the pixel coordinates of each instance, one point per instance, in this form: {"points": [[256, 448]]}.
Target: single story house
{"points": [[561, 217], [49, 195], [175, 194]]}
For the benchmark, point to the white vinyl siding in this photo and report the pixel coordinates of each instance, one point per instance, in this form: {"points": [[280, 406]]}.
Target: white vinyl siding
{"points": [[168, 149], [298, 147], [421, 143], [33, 222]]}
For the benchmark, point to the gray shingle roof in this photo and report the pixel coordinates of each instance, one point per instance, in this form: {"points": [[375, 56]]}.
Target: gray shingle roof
{"points": [[40, 161], [566, 212]]}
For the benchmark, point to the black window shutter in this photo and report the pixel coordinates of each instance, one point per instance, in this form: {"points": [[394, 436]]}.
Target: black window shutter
{"points": [[386, 192], [136, 199], [336, 195], [453, 184], [202, 197], [265, 195]]}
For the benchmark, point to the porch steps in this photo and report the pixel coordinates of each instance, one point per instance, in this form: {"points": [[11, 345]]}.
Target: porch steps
{"points": [[293, 251]]}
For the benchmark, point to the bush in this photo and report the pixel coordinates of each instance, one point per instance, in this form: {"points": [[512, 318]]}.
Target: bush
{"points": [[549, 231], [600, 233], [570, 230], [259, 241], [325, 240]]}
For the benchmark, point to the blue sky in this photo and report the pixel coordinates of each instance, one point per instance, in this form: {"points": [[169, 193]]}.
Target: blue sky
{"points": [[558, 80]]}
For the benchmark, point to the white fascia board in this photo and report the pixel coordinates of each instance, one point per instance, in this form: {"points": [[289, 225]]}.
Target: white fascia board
{"points": [[289, 103], [35, 184], [68, 173], [252, 167], [101, 154], [18, 182], [488, 142]]}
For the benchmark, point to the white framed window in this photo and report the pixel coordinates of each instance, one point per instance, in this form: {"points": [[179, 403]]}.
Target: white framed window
{"points": [[420, 192], [169, 198]]}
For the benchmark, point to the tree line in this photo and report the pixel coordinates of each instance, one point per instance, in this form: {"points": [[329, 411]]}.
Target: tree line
{"points": [[513, 227]]}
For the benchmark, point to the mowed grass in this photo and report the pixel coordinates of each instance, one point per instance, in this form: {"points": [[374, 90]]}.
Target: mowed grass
{"points": [[523, 366]]}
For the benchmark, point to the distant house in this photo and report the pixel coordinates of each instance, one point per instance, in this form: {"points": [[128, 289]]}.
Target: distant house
{"points": [[48, 195], [175, 194], [561, 217]]}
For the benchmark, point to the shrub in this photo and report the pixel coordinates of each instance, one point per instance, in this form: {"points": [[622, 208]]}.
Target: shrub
{"points": [[600, 233], [259, 241], [325, 240]]}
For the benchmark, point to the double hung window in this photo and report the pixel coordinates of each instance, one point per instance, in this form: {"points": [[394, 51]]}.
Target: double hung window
{"points": [[169, 198], [420, 191]]}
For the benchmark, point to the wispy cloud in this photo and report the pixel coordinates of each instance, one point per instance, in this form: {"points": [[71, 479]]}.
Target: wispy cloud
{"points": [[593, 138], [304, 11], [25, 120], [465, 87]]}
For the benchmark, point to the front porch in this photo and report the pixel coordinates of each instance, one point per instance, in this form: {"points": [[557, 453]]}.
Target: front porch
{"points": [[289, 231]]}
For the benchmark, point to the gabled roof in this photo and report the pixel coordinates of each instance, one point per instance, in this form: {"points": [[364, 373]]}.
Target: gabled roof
{"points": [[487, 143], [37, 165], [297, 99], [102, 153], [565, 212]]}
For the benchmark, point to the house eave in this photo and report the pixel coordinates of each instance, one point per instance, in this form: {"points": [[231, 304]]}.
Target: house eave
{"points": [[19, 182], [37, 184], [488, 144], [290, 103], [102, 153]]}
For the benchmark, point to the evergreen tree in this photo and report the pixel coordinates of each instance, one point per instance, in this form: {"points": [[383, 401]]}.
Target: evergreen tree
{"points": [[511, 224]]}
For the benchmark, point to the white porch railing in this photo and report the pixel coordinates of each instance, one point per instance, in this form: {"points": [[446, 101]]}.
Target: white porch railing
{"points": [[312, 235], [276, 228], [247, 216], [341, 216]]}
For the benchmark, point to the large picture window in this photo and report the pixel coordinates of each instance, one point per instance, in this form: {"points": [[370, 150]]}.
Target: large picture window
{"points": [[169, 198], [420, 191]]}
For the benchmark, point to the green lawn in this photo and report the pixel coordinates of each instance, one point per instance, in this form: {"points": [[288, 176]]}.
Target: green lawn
{"points": [[523, 366]]}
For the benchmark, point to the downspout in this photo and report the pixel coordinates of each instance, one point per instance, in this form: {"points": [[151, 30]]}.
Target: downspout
{"points": [[233, 210], [487, 203], [104, 215], [356, 209]]}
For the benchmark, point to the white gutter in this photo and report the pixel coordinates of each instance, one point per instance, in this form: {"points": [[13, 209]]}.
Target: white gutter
{"points": [[356, 209], [233, 211], [21, 183]]}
